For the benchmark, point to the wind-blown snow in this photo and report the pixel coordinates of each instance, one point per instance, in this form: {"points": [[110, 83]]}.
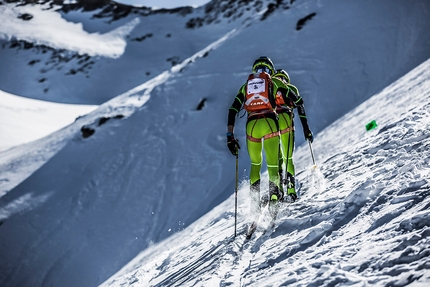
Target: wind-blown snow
{"points": [[48, 28], [362, 220], [22, 204]]}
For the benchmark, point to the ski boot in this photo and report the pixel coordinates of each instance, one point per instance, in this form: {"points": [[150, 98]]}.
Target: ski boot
{"points": [[276, 196], [254, 193], [282, 180], [264, 200], [255, 207], [291, 189]]}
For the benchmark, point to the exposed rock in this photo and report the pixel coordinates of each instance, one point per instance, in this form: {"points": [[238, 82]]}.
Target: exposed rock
{"points": [[303, 21], [25, 16], [87, 131], [201, 104]]}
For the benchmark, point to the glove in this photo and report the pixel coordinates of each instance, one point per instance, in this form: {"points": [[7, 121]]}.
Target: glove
{"points": [[308, 134], [232, 144]]}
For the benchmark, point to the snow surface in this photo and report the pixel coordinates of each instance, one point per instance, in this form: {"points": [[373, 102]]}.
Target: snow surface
{"points": [[363, 218], [47, 27], [164, 3], [24, 120], [156, 178], [349, 51]]}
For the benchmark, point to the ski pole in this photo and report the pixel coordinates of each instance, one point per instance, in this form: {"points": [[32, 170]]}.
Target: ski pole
{"points": [[312, 153], [288, 149], [235, 194]]}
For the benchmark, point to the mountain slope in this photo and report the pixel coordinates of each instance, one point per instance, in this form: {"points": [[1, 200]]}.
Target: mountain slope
{"points": [[346, 50], [363, 217], [85, 204], [24, 120], [90, 52], [60, 215]]}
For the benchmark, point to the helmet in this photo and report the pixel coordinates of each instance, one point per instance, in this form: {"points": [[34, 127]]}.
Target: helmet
{"points": [[280, 73], [265, 64]]}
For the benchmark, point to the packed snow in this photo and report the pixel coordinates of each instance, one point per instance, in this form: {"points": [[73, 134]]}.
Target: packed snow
{"points": [[140, 191], [363, 218]]}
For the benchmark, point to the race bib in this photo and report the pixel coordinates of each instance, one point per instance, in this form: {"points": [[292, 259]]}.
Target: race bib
{"points": [[256, 85]]}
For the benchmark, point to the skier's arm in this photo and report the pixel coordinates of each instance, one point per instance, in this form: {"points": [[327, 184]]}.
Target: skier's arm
{"points": [[297, 102], [274, 88], [289, 96], [304, 120], [234, 109], [232, 142], [293, 99]]}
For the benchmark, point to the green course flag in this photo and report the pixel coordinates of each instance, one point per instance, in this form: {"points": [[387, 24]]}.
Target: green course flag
{"points": [[371, 125]]}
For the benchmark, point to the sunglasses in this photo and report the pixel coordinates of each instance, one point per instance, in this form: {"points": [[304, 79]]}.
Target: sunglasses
{"points": [[260, 69]]}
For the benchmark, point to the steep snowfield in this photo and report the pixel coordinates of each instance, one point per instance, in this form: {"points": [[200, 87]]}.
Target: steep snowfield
{"points": [[74, 210], [115, 170], [348, 50], [362, 220]]}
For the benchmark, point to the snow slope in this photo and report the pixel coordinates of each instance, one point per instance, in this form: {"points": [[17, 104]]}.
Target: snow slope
{"points": [[48, 28], [24, 120], [75, 209], [362, 220], [85, 55], [62, 220], [348, 50]]}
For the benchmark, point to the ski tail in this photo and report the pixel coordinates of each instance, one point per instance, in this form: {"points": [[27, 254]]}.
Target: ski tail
{"points": [[251, 230]]}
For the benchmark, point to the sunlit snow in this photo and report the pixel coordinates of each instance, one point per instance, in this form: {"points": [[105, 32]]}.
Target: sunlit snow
{"points": [[24, 120], [47, 27], [138, 190], [362, 220]]}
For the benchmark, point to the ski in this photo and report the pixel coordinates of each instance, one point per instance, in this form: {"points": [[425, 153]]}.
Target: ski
{"points": [[273, 210], [251, 230], [253, 227], [269, 228]]}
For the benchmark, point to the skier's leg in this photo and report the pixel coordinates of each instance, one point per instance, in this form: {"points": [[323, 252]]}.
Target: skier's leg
{"points": [[286, 125], [291, 169], [257, 129], [285, 128], [254, 151], [271, 148], [255, 205], [280, 167], [256, 158]]}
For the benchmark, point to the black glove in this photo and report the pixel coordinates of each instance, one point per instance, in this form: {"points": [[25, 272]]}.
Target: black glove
{"points": [[308, 134], [232, 144]]}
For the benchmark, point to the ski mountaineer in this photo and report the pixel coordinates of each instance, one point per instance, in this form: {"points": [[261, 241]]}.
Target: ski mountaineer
{"points": [[284, 108], [258, 97]]}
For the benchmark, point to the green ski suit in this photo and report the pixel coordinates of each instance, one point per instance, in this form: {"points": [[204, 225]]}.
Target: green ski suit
{"points": [[285, 105], [262, 132]]}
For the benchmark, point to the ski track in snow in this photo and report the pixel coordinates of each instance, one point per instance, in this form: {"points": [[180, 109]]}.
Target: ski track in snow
{"points": [[40, 151], [362, 219], [363, 216]]}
